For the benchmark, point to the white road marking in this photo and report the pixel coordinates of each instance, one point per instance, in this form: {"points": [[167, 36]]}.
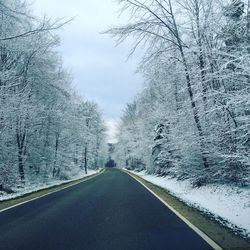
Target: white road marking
{"points": [[19, 204], [213, 244]]}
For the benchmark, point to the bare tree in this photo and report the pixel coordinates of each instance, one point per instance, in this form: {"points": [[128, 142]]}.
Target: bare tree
{"points": [[154, 22]]}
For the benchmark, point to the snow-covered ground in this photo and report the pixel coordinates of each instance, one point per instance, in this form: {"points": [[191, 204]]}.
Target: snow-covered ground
{"points": [[231, 204], [29, 188]]}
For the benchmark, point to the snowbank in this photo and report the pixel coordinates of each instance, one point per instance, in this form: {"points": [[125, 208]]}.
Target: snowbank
{"points": [[231, 204], [29, 188]]}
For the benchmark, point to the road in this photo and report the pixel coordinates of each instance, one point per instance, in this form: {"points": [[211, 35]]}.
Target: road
{"points": [[109, 212]]}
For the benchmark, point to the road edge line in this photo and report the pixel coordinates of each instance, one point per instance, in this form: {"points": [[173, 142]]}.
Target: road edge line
{"points": [[205, 237], [71, 185]]}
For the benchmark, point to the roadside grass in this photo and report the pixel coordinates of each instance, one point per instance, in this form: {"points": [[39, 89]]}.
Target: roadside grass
{"points": [[222, 235], [40, 193]]}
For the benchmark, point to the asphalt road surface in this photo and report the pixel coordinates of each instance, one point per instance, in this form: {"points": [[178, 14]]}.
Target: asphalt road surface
{"points": [[109, 212]]}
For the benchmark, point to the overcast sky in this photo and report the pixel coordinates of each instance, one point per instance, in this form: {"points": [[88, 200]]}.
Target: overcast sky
{"points": [[101, 71]]}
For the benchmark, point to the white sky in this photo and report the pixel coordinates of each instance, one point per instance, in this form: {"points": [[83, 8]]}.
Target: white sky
{"points": [[101, 71]]}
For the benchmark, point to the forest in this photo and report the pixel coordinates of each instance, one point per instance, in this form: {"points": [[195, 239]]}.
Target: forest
{"points": [[47, 131], [192, 119]]}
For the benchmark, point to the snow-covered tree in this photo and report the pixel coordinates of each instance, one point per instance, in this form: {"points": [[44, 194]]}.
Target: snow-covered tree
{"points": [[192, 118], [46, 130]]}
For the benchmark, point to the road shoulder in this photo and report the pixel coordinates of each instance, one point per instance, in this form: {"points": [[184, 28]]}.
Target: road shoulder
{"points": [[8, 204]]}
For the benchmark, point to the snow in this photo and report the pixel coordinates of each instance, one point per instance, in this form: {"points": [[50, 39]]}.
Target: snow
{"points": [[30, 188], [230, 204]]}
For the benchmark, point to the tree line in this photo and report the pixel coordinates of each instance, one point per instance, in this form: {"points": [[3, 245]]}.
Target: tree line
{"points": [[192, 119], [46, 130]]}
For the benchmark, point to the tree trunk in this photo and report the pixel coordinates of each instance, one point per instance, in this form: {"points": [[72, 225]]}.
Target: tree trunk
{"points": [[56, 149], [201, 55], [85, 160], [20, 137], [190, 91], [195, 114], [21, 166]]}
